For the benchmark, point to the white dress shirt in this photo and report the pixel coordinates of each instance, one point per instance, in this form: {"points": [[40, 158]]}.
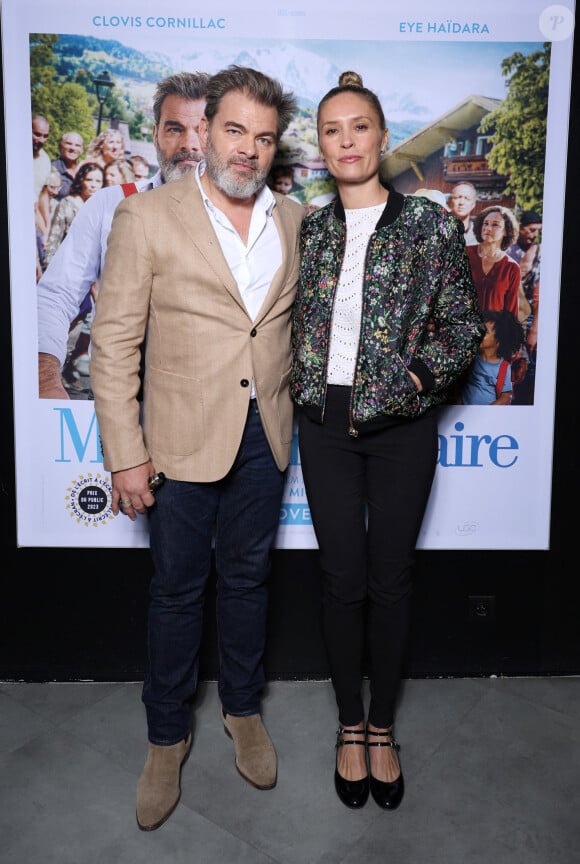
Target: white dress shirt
{"points": [[253, 264]]}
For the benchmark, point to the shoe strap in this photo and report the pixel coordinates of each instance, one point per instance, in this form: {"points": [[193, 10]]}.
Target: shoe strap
{"points": [[340, 742], [392, 743]]}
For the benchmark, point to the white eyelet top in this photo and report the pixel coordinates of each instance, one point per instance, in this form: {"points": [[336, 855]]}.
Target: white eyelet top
{"points": [[346, 316]]}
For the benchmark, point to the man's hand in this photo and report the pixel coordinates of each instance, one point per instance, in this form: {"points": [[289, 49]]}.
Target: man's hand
{"points": [[50, 384], [131, 493]]}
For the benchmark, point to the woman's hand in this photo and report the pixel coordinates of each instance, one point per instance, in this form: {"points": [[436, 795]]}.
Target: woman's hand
{"points": [[416, 381]]}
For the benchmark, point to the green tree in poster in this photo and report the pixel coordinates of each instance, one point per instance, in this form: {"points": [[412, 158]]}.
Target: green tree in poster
{"points": [[41, 63], [139, 127], [519, 127], [66, 104]]}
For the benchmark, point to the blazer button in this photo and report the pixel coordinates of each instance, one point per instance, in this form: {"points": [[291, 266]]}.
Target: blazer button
{"points": [[244, 382], [254, 332]]}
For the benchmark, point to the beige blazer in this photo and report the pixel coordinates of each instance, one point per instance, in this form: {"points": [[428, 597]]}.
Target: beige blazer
{"points": [[166, 279]]}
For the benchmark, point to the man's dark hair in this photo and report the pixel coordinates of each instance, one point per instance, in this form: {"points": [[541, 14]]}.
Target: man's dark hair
{"points": [[259, 87], [186, 85]]}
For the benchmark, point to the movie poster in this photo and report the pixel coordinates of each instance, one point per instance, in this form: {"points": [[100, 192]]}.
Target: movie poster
{"points": [[477, 104]]}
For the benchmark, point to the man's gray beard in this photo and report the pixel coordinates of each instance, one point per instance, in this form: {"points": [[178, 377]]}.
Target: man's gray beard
{"points": [[171, 169], [233, 187]]}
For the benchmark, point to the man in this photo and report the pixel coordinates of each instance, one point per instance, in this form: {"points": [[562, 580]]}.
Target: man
{"points": [[140, 167], [462, 203], [206, 268], [41, 168], [40, 158], [178, 106], [70, 148], [526, 248], [526, 251]]}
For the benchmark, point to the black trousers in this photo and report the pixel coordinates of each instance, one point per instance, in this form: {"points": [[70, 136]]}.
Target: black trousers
{"points": [[367, 497]]}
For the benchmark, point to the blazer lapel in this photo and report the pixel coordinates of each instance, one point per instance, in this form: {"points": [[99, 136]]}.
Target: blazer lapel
{"points": [[287, 233], [190, 211]]}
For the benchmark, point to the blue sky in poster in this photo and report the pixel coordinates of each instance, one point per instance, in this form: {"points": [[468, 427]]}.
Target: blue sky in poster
{"points": [[416, 81]]}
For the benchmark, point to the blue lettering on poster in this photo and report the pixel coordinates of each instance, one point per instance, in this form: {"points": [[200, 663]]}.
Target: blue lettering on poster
{"points": [[457, 450], [72, 442], [448, 27], [476, 451], [295, 514], [158, 22]]}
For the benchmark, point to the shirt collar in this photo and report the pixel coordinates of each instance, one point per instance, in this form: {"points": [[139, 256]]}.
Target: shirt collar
{"points": [[154, 181]]}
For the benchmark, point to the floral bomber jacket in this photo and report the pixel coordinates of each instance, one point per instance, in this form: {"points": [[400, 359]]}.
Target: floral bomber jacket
{"points": [[416, 270]]}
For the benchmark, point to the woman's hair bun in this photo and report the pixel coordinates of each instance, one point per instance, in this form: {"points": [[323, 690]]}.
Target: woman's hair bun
{"points": [[350, 78]]}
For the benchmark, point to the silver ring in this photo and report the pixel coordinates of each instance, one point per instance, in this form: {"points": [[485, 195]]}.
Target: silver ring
{"points": [[124, 501]]}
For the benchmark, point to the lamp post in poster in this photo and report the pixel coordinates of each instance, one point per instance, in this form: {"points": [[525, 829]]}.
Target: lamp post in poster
{"points": [[103, 84]]}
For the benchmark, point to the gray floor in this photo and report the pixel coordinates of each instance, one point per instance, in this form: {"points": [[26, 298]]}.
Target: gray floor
{"points": [[491, 769]]}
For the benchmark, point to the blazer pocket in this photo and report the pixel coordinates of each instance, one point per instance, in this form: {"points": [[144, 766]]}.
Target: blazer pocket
{"points": [[173, 413]]}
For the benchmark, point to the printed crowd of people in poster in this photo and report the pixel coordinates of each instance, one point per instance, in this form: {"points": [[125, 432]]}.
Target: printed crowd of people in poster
{"points": [[502, 230]]}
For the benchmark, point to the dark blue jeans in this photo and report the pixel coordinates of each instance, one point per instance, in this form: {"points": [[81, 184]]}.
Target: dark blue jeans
{"points": [[239, 515]]}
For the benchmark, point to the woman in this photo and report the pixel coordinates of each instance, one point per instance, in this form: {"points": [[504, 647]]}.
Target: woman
{"points": [[385, 320], [87, 181], [117, 172], [497, 280], [107, 145]]}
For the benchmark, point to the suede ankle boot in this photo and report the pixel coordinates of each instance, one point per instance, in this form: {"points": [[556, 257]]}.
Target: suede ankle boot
{"points": [[158, 789], [255, 755]]}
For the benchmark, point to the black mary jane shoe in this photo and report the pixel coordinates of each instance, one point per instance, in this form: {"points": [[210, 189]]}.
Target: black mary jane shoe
{"points": [[387, 795], [352, 793]]}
